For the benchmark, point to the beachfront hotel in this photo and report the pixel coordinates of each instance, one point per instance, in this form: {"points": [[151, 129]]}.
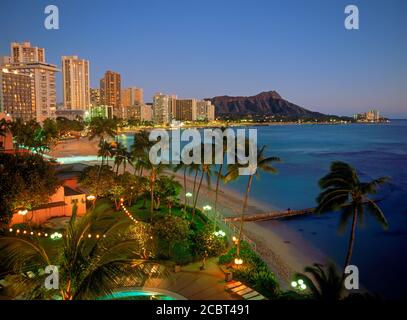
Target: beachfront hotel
{"points": [[75, 83], [186, 110], [161, 108], [30, 61], [168, 107], [132, 96], [110, 92], [17, 96], [140, 112]]}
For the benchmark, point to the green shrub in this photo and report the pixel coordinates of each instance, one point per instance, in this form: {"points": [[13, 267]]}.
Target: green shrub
{"points": [[254, 271]]}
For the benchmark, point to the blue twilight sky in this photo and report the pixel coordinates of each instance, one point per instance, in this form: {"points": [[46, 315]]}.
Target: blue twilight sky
{"points": [[231, 47]]}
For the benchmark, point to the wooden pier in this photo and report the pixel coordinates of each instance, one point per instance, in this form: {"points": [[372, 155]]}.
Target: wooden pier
{"points": [[272, 215]]}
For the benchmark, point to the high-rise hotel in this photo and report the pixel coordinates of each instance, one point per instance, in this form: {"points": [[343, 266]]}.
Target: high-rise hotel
{"points": [[75, 83], [17, 96], [168, 107], [110, 92], [30, 61]]}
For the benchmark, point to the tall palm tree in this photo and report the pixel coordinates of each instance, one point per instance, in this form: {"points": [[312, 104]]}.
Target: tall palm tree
{"points": [[206, 172], [324, 285], [89, 267], [343, 191], [219, 175], [154, 172], [106, 151], [263, 164], [141, 146], [121, 156], [184, 167]]}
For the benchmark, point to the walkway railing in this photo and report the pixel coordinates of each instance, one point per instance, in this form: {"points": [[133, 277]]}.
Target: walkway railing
{"points": [[228, 226]]}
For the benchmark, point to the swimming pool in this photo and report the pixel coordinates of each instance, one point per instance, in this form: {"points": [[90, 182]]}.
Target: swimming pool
{"points": [[142, 294]]}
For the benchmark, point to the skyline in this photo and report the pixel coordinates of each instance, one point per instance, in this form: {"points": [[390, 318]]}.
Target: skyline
{"points": [[185, 48]]}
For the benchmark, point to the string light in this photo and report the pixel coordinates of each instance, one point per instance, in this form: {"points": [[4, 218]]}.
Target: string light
{"points": [[126, 211], [53, 236]]}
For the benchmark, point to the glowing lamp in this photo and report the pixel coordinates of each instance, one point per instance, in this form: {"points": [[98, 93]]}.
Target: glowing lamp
{"points": [[22, 212]]}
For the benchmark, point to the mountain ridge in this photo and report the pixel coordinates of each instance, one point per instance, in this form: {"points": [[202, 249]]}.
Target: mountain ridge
{"points": [[263, 103]]}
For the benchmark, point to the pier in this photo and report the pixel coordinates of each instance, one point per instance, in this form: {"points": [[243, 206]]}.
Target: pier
{"points": [[271, 215]]}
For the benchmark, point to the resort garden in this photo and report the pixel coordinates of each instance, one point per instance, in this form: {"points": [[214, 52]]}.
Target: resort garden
{"points": [[142, 220]]}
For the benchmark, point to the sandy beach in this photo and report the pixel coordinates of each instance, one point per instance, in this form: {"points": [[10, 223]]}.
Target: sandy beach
{"points": [[282, 249]]}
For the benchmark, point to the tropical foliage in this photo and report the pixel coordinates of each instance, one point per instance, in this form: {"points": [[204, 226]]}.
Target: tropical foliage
{"points": [[89, 267], [344, 191], [27, 181]]}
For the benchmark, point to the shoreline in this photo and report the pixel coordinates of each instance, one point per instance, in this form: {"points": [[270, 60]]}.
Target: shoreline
{"points": [[247, 124], [283, 249]]}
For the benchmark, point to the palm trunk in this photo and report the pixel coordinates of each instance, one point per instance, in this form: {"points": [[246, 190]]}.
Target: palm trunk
{"points": [[185, 189], [249, 183], [352, 238], [151, 196], [197, 193], [216, 195], [196, 175]]}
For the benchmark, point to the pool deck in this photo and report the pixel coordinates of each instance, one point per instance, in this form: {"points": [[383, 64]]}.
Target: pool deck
{"points": [[196, 284]]}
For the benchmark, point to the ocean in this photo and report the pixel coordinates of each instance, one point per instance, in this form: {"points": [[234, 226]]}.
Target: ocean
{"points": [[375, 150], [307, 151]]}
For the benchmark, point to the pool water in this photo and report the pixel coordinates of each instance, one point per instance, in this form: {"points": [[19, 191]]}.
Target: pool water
{"points": [[137, 295]]}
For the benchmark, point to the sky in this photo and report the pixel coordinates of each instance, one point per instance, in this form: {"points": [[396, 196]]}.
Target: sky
{"points": [[300, 48]]}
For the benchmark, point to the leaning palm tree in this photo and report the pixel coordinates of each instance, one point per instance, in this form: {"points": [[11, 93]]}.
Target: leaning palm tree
{"points": [[343, 191], [324, 285], [100, 251], [263, 164]]}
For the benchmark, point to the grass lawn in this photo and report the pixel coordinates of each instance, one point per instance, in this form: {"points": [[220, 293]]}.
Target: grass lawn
{"points": [[143, 213]]}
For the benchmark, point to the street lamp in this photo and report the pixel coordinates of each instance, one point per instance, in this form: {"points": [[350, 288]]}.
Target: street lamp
{"points": [[299, 285], [220, 233], [238, 261], [207, 208], [90, 197], [22, 212], [188, 195]]}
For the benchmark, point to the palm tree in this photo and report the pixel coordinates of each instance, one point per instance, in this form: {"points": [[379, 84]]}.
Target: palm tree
{"points": [[106, 151], [343, 190], [205, 170], [141, 146], [184, 167], [89, 267], [219, 175], [168, 191], [324, 285], [101, 127], [122, 156], [263, 164], [155, 170]]}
